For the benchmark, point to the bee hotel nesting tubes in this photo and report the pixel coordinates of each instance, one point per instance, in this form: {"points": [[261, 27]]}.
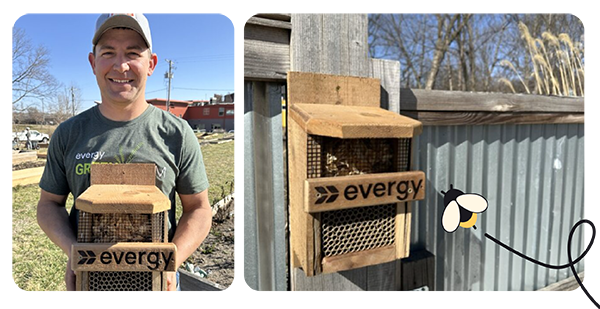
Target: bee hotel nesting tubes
{"points": [[350, 177]]}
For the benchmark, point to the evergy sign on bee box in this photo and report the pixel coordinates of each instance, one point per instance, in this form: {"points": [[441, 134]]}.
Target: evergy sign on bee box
{"points": [[124, 256], [331, 193]]}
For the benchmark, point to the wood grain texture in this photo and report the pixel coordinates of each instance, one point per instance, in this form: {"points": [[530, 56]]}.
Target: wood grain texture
{"points": [[311, 88], [565, 293], [342, 121], [446, 118], [388, 72], [276, 16], [124, 257], [418, 271], [363, 190], [123, 174], [268, 21], [265, 33], [261, 60], [306, 40], [358, 259], [123, 199], [301, 223], [403, 228], [441, 100]]}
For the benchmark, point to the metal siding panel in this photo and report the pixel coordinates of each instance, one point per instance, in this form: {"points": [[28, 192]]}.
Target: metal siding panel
{"points": [[250, 233], [532, 177], [264, 207], [519, 204]]}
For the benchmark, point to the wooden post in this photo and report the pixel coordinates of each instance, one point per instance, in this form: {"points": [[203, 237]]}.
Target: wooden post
{"points": [[338, 44]]}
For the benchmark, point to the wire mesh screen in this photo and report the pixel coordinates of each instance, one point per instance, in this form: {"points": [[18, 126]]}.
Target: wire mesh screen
{"points": [[107, 228], [363, 228], [120, 281], [330, 157], [313, 155], [357, 229]]}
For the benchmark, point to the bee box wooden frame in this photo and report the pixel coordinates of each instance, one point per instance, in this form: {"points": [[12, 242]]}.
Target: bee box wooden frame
{"points": [[123, 231], [350, 178]]}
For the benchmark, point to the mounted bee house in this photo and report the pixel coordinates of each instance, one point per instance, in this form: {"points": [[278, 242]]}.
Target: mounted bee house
{"points": [[350, 178], [123, 231]]}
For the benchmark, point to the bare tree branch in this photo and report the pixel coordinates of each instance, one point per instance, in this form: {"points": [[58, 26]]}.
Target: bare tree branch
{"points": [[30, 75]]}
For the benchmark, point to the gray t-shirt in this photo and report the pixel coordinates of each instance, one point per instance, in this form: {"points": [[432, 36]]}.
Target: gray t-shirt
{"points": [[155, 137]]}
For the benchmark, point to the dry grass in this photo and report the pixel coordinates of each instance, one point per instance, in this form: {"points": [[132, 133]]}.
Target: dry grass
{"points": [[556, 62]]}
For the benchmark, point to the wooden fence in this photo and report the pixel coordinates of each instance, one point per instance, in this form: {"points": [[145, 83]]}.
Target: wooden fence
{"points": [[459, 128]]}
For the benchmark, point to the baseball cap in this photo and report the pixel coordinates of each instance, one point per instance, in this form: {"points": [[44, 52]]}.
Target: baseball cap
{"points": [[133, 21]]}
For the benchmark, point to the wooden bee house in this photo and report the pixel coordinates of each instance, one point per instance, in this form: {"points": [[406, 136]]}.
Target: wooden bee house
{"points": [[123, 231], [350, 178]]}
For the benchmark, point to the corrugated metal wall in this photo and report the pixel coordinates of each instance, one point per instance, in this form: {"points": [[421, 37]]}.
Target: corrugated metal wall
{"points": [[533, 179]]}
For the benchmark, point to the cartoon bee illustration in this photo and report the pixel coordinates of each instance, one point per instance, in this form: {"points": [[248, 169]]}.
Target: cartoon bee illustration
{"points": [[461, 209]]}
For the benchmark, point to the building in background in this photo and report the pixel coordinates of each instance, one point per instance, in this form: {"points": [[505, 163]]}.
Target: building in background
{"points": [[213, 114], [176, 107]]}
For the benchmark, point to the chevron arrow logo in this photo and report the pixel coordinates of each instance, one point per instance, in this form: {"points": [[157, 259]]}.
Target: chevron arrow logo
{"points": [[327, 194], [86, 257]]}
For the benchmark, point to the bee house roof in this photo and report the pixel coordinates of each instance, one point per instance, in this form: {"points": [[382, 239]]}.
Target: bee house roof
{"points": [[344, 107], [123, 199], [353, 121]]}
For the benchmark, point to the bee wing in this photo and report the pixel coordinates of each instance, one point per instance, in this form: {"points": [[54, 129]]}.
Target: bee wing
{"points": [[451, 217], [472, 202]]}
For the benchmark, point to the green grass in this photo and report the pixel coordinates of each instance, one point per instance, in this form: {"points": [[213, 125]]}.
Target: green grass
{"points": [[39, 265]]}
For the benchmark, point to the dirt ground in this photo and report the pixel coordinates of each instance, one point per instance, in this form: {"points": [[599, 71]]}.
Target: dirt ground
{"points": [[28, 164], [215, 255]]}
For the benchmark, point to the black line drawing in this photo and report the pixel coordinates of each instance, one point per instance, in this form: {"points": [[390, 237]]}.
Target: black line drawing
{"points": [[460, 211]]}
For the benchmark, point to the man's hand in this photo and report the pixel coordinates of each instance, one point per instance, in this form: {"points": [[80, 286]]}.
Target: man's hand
{"points": [[53, 219]]}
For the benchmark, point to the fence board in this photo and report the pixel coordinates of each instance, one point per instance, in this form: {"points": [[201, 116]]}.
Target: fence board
{"points": [[440, 100], [491, 118], [337, 44]]}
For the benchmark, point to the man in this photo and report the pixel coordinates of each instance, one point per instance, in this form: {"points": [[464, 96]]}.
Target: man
{"points": [[124, 128], [28, 136]]}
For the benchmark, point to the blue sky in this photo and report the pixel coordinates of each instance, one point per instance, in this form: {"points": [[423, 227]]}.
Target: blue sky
{"points": [[201, 46]]}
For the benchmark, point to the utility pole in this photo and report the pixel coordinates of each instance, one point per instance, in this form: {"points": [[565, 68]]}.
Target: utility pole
{"points": [[73, 100], [169, 76]]}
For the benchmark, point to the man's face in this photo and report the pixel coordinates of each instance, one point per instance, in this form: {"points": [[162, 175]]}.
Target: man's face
{"points": [[122, 63]]}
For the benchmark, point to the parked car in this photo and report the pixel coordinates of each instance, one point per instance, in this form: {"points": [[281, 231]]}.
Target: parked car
{"points": [[35, 136]]}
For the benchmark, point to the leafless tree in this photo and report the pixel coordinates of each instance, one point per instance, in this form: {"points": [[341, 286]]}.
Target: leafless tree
{"points": [[30, 76], [463, 52], [66, 104]]}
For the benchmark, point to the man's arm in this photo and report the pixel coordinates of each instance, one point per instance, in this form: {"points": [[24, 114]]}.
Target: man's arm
{"points": [[53, 218], [194, 224]]}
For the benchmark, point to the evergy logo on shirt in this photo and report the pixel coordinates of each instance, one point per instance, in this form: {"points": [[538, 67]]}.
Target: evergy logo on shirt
{"points": [[84, 168], [97, 155]]}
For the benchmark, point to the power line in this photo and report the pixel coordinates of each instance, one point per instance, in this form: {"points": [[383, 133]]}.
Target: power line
{"points": [[163, 89], [202, 89], [200, 57]]}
